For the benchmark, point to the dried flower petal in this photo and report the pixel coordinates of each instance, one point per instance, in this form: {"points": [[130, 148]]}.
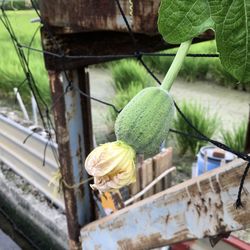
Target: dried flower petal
{"points": [[112, 165]]}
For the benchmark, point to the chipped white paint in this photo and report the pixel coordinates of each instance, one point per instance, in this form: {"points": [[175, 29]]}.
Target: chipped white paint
{"points": [[211, 184], [201, 207]]}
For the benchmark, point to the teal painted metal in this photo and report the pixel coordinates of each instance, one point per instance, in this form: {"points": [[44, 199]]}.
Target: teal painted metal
{"points": [[201, 207], [75, 129], [73, 146]]}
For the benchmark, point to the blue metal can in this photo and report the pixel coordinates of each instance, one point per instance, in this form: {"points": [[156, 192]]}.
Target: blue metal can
{"points": [[206, 160]]}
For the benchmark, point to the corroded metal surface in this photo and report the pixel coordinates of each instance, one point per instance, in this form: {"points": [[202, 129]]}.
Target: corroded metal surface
{"points": [[96, 15], [26, 159], [69, 132], [94, 44], [198, 208], [100, 44], [84, 86], [96, 28], [247, 146]]}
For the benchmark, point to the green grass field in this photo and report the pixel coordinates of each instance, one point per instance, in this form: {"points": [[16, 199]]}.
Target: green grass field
{"points": [[11, 74]]}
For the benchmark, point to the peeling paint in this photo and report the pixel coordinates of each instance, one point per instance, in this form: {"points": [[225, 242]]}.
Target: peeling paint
{"points": [[167, 217], [86, 15]]}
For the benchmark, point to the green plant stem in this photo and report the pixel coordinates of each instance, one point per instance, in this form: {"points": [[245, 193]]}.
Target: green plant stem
{"points": [[176, 65]]}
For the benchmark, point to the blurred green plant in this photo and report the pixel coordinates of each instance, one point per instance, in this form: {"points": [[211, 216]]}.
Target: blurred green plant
{"points": [[122, 97], [201, 118], [11, 73], [16, 5], [236, 137], [197, 68], [126, 72]]}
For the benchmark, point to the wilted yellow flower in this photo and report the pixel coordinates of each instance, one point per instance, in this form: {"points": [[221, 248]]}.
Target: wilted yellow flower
{"points": [[112, 165]]}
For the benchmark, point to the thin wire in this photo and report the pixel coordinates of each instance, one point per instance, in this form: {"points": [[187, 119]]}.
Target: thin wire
{"points": [[187, 135], [149, 71], [97, 100], [31, 41], [35, 8], [77, 185], [127, 24], [21, 84], [61, 96], [78, 56], [119, 56], [174, 54], [239, 203]]}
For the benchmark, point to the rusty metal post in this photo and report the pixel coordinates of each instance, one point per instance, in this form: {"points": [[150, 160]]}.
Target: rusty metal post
{"points": [[86, 106], [247, 146], [70, 117]]}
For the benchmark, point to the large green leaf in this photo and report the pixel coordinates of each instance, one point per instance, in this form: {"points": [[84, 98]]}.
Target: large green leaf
{"points": [[182, 20]]}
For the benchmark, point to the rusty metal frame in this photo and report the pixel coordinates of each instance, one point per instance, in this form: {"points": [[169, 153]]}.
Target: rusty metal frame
{"points": [[114, 44], [247, 146], [71, 135]]}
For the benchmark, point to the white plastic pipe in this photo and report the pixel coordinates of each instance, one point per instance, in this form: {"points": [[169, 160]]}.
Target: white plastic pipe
{"points": [[149, 186], [34, 109], [21, 104]]}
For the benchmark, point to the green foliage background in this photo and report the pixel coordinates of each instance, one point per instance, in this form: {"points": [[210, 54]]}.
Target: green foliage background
{"points": [[11, 74]]}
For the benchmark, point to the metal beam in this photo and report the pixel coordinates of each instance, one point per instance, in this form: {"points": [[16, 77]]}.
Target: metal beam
{"points": [[112, 43], [68, 114], [247, 146], [198, 208], [83, 15], [26, 159]]}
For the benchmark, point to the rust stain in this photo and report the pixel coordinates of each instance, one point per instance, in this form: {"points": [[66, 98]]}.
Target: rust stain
{"points": [[219, 205], [216, 185], [198, 209], [115, 225], [79, 155], [92, 15], [142, 242], [64, 157], [167, 218], [209, 201]]}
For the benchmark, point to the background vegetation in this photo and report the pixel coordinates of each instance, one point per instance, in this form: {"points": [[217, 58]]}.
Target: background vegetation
{"points": [[198, 68], [11, 74], [236, 138], [202, 119]]}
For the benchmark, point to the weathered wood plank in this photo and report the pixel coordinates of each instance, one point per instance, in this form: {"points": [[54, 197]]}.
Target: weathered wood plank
{"points": [[200, 207], [136, 187], [147, 176], [161, 163]]}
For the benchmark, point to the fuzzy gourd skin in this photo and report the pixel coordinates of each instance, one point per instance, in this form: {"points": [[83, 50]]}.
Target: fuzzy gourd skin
{"points": [[146, 120]]}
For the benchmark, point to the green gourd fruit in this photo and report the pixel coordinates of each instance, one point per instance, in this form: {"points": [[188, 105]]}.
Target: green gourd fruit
{"points": [[145, 120]]}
